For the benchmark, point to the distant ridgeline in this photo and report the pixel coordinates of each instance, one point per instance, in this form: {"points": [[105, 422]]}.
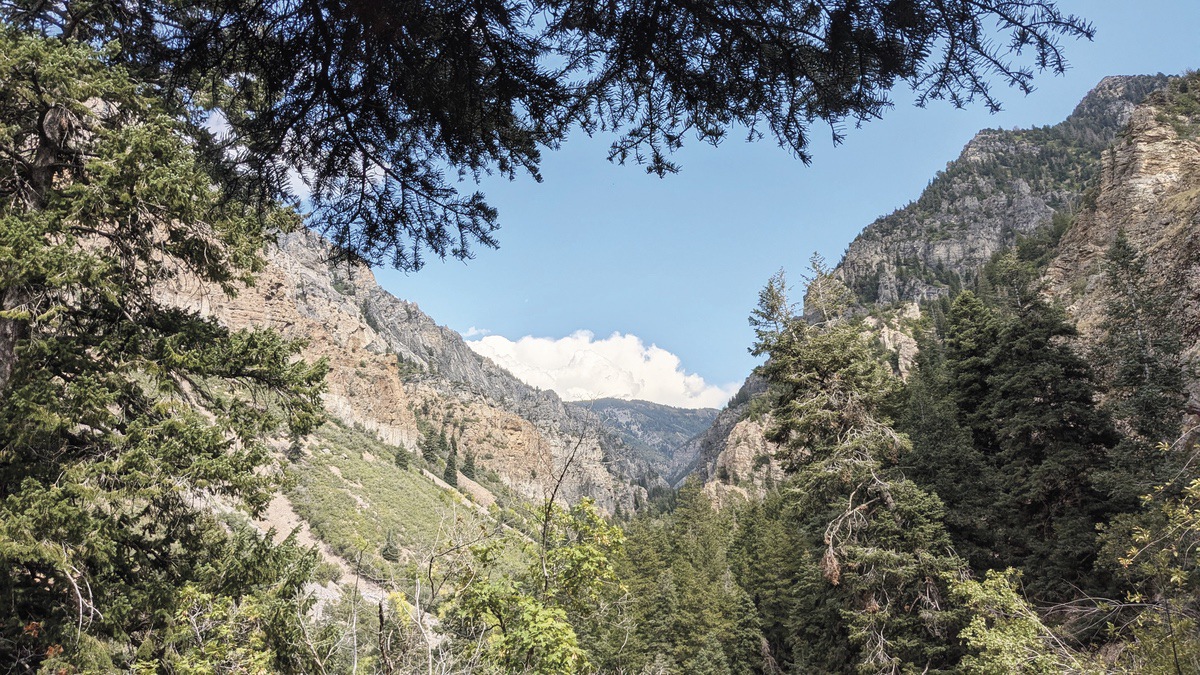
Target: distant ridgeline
{"points": [[1005, 183], [656, 433]]}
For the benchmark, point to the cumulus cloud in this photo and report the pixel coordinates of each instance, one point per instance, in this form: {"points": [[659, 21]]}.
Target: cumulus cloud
{"points": [[580, 367], [475, 332]]}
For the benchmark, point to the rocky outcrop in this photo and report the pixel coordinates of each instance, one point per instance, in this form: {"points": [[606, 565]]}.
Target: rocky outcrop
{"points": [[733, 456], [1004, 183], [746, 465], [895, 331], [393, 369], [1149, 188]]}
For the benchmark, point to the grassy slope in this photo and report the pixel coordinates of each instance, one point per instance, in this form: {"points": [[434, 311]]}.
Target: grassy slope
{"points": [[356, 510]]}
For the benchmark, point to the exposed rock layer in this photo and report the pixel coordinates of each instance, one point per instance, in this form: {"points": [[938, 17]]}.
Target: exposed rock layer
{"points": [[1149, 189], [1003, 184], [390, 364]]}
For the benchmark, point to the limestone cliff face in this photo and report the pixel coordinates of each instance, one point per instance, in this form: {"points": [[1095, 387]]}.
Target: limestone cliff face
{"points": [[1150, 189], [733, 456], [391, 364], [1004, 183], [746, 466]]}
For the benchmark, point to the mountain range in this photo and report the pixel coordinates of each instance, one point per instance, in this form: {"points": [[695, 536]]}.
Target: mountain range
{"points": [[1126, 160]]}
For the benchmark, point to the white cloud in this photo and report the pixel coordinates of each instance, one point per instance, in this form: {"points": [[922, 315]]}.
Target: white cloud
{"points": [[475, 332], [580, 367]]}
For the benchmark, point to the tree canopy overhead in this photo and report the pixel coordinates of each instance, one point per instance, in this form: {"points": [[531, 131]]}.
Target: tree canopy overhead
{"points": [[381, 107]]}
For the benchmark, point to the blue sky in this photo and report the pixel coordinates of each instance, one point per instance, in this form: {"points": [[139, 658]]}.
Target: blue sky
{"points": [[674, 265]]}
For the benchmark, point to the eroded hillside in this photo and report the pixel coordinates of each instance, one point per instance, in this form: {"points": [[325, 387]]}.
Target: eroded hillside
{"points": [[396, 373]]}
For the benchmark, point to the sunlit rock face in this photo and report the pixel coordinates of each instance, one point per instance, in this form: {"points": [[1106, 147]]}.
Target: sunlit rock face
{"points": [[390, 363], [1148, 188], [1004, 183], [1127, 160]]}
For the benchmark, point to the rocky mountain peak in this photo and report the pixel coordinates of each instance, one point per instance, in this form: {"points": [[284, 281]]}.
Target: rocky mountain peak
{"points": [[1004, 183]]}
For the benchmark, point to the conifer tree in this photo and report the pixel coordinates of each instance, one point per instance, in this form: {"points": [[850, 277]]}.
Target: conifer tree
{"points": [[1029, 403], [692, 614], [1151, 549], [468, 467], [1052, 446], [765, 559], [429, 446], [970, 339], [945, 460], [875, 538], [120, 415], [1140, 359], [390, 550], [450, 474], [380, 107]]}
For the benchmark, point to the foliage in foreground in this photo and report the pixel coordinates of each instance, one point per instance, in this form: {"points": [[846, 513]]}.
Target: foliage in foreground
{"points": [[378, 107], [122, 418]]}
